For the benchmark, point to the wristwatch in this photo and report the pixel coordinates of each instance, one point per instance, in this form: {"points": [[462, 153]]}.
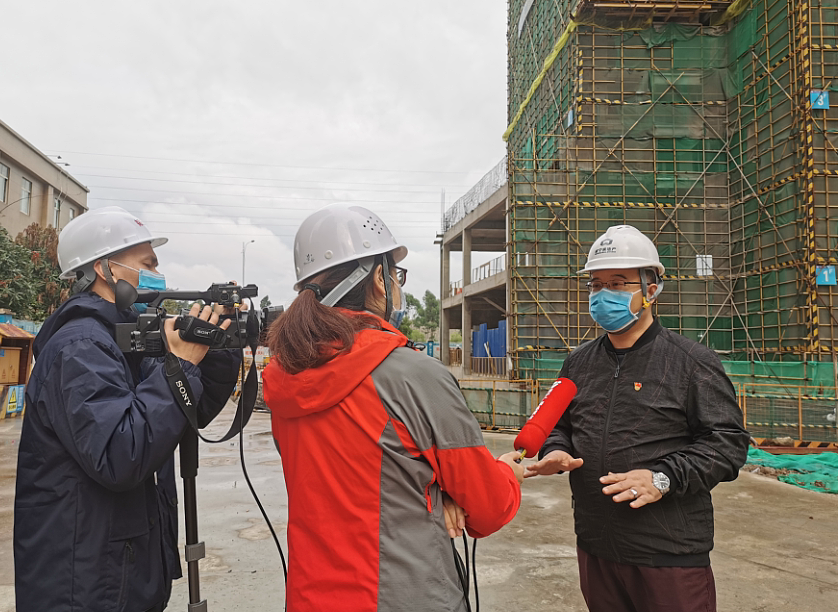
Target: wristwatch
{"points": [[661, 482]]}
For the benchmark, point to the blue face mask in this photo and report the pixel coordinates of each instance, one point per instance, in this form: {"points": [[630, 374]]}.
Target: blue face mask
{"points": [[396, 316], [148, 280], [612, 309]]}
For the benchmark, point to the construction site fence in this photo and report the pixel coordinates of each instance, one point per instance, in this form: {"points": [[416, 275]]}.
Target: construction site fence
{"points": [[489, 366], [769, 411]]}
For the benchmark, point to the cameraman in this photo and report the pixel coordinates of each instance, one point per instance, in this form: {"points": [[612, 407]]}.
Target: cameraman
{"points": [[96, 503]]}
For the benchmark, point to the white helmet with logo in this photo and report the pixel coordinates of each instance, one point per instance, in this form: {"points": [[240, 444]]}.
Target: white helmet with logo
{"points": [[337, 234], [100, 233], [623, 247]]}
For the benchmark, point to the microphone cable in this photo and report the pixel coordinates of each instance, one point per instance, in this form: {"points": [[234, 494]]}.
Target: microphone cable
{"points": [[465, 572], [244, 466]]}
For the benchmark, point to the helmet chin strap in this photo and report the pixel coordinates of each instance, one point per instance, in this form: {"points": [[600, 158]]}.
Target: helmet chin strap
{"points": [[388, 291]]}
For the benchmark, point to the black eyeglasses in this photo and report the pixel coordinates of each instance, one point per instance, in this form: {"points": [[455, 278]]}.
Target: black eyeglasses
{"points": [[615, 285], [401, 275]]}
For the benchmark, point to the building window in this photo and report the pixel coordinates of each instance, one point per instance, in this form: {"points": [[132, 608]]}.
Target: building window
{"points": [[71, 212], [4, 180], [25, 196], [56, 214]]}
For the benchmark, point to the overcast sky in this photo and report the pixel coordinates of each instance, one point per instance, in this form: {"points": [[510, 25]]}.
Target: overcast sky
{"points": [[219, 122]]}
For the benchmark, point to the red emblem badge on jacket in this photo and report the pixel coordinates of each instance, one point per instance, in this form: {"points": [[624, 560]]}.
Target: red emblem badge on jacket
{"points": [[637, 386]]}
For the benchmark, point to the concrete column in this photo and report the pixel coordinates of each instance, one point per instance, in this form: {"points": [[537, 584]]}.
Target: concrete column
{"points": [[466, 336], [466, 257], [466, 305], [444, 282], [445, 271], [444, 332]]}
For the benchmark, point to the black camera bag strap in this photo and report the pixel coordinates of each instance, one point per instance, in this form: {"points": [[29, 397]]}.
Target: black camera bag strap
{"points": [[185, 397]]}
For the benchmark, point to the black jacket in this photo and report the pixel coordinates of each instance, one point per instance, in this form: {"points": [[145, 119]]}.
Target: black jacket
{"points": [[96, 505], [668, 407]]}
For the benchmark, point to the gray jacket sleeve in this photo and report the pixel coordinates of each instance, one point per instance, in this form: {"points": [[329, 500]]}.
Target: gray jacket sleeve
{"points": [[720, 442]]}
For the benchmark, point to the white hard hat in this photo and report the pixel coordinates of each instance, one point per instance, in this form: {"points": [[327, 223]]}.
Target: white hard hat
{"points": [[99, 233], [623, 247], [337, 234]]}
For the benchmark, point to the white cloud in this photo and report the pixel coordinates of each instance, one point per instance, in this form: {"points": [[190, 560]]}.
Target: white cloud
{"points": [[377, 102]]}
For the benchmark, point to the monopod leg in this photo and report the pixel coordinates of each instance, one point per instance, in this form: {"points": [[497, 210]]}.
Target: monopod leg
{"points": [[194, 550]]}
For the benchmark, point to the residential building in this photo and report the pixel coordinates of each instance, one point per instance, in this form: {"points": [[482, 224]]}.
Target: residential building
{"points": [[34, 188]]}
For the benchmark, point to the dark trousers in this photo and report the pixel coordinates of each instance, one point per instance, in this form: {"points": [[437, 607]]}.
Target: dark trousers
{"points": [[615, 587]]}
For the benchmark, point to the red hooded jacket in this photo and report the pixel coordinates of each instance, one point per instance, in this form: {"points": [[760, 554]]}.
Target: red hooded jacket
{"points": [[368, 442]]}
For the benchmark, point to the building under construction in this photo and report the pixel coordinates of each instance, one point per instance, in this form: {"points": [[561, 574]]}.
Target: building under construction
{"points": [[706, 125]]}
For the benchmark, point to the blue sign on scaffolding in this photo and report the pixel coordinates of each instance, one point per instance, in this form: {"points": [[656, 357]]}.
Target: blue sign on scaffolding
{"points": [[826, 275], [819, 99]]}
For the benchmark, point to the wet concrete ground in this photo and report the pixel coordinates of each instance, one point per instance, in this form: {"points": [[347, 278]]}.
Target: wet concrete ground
{"points": [[776, 545]]}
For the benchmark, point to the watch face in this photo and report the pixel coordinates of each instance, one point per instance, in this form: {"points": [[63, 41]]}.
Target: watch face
{"points": [[661, 481]]}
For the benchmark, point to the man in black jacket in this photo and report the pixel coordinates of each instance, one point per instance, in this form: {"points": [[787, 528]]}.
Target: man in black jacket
{"points": [[654, 427], [96, 504]]}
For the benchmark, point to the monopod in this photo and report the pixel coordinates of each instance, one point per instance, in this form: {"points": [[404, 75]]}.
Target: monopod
{"points": [[194, 550]]}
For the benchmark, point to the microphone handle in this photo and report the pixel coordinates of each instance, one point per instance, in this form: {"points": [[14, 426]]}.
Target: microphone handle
{"points": [[521, 456]]}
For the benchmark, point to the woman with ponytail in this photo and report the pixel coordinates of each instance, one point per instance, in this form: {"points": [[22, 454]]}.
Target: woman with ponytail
{"points": [[375, 437]]}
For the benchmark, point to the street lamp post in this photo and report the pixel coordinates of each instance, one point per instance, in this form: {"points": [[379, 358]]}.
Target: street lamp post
{"points": [[244, 249]]}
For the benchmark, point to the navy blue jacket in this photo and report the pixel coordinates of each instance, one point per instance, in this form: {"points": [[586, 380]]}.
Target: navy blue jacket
{"points": [[96, 504]]}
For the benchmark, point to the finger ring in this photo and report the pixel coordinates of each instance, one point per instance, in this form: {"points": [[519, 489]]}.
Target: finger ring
{"points": [[633, 492]]}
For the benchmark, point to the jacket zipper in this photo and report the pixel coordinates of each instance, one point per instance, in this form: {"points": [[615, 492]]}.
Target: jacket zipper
{"points": [[127, 555], [608, 415]]}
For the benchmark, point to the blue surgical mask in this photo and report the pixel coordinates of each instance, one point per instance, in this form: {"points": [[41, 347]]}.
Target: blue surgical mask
{"points": [[396, 315], [612, 309], [148, 280]]}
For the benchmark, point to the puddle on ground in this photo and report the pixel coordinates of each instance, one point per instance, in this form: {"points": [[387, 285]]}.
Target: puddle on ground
{"points": [[258, 530], [218, 461]]}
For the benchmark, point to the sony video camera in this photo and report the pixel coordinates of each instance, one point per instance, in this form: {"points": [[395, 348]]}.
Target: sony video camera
{"points": [[146, 335]]}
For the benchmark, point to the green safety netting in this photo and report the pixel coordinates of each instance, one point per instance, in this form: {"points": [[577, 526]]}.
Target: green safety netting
{"points": [[814, 472]]}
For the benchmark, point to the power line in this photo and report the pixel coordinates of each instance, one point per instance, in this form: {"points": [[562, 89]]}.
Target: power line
{"points": [[258, 178], [435, 212], [227, 163], [430, 235], [242, 185], [294, 223]]}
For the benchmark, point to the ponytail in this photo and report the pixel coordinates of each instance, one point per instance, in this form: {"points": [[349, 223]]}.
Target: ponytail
{"points": [[308, 334]]}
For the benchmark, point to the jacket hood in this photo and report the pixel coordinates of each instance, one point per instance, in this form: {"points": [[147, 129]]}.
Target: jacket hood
{"points": [[78, 307], [316, 389]]}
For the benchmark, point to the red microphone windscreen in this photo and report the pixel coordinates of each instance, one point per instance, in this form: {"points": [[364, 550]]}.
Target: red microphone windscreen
{"points": [[535, 431]]}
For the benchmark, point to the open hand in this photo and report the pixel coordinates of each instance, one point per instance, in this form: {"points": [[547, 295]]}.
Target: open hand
{"points": [[553, 462]]}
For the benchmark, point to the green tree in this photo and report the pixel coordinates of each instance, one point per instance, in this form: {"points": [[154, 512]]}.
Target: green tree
{"points": [[173, 307], [422, 317], [266, 301], [430, 314], [18, 288], [50, 290]]}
